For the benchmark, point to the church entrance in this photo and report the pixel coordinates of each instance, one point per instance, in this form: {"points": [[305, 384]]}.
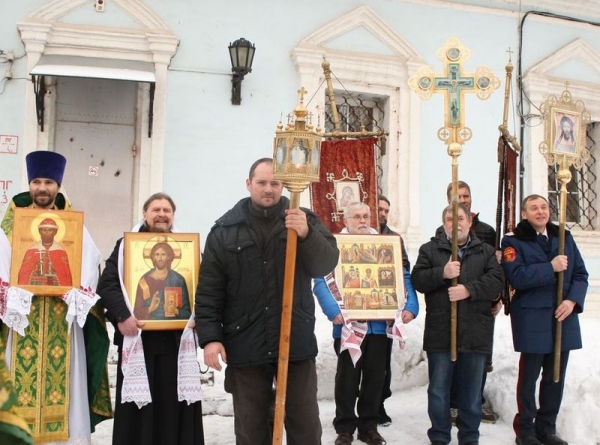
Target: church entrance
{"points": [[95, 131]]}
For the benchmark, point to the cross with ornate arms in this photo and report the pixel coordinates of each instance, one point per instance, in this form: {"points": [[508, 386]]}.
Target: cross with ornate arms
{"points": [[453, 83]]}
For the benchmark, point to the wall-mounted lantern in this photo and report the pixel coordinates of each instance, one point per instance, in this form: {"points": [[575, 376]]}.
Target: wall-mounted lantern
{"points": [[241, 53]]}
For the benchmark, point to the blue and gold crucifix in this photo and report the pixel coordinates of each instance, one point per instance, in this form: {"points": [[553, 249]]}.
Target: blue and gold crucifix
{"points": [[453, 83]]}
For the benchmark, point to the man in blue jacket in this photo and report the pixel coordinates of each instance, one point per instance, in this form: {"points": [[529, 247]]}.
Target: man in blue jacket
{"points": [[531, 263], [365, 380]]}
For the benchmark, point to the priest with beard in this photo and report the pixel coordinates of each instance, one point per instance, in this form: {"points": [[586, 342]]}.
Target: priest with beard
{"points": [[57, 387], [164, 417]]}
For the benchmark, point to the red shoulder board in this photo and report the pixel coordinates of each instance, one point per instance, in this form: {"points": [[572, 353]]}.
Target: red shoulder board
{"points": [[509, 254]]}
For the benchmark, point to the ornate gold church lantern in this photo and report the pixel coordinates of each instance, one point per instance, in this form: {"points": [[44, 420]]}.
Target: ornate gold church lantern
{"points": [[296, 154], [297, 151]]}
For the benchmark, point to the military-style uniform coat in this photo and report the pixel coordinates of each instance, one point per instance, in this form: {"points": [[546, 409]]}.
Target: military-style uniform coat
{"points": [[529, 271]]}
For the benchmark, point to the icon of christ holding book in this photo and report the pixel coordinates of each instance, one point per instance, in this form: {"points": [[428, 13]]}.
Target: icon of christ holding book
{"points": [[162, 293]]}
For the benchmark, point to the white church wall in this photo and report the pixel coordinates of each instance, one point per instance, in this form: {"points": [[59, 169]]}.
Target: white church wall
{"points": [[209, 144]]}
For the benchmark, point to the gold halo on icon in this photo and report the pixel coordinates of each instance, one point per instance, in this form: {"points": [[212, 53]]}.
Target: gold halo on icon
{"points": [[162, 239], [62, 229]]}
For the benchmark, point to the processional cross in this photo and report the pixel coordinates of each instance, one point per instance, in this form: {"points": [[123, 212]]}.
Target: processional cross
{"points": [[453, 83]]}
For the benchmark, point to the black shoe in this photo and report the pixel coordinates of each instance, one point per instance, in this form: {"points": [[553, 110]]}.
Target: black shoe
{"points": [[344, 438], [552, 439], [527, 440], [384, 419], [371, 437]]}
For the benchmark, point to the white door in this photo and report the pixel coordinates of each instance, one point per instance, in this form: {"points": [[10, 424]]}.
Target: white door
{"points": [[95, 131]]}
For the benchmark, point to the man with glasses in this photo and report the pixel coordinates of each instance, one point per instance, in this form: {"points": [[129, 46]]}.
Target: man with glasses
{"points": [[358, 386]]}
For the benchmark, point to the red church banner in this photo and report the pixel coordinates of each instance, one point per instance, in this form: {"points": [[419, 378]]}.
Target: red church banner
{"points": [[347, 175]]}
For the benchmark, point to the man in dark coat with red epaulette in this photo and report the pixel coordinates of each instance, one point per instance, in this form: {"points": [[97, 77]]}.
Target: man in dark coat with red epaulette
{"points": [[531, 263]]}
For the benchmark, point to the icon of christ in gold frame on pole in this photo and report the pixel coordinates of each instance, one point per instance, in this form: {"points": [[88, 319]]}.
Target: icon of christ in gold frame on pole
{"points": [[369, 275], [161, 275]]}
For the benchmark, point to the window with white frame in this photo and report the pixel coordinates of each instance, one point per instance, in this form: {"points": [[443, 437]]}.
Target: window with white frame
{"points": [[358, 112]]}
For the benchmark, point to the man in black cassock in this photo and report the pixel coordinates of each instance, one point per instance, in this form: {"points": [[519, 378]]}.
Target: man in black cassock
{"points": [[165, 421]]}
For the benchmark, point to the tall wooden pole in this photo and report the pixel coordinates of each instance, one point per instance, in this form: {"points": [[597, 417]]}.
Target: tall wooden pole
{"points": [[454, 150], [564, 176], [553, 110], [335, 117], [286, 326], [296, 164]]}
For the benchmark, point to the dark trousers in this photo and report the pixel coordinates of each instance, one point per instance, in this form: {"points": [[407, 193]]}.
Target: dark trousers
{"points": [[363, 382], [165, 421], [251, 388], [469, 368], [386, 391], [530, 420]]}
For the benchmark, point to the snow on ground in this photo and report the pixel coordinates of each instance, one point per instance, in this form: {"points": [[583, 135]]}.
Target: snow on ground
{"points": [[577, 423]]}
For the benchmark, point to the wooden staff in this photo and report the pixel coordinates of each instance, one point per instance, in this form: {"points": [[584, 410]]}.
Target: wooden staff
{"points": [[504, 172], [555, 155], [454, 150], [337, 132], [564, 176], [286, 326], [330, 93], [502, 155], [504, 127]]}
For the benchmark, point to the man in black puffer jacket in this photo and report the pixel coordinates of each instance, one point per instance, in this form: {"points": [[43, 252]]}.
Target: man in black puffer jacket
{"points": [[487, 234], [480, 279], [238, 307]]}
